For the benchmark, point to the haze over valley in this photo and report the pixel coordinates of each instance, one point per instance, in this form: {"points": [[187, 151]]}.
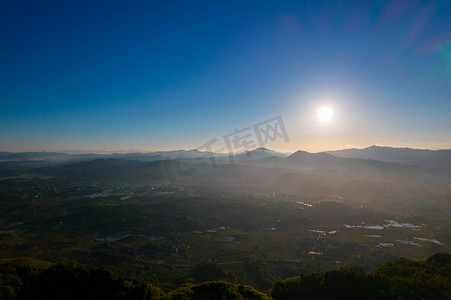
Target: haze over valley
{"points": [[225, 149]]}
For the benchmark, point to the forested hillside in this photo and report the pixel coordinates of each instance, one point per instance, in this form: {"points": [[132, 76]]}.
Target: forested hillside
{"points": [[26, 278]]}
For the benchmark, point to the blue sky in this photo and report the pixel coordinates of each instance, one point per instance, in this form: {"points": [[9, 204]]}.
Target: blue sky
{"points": [[174, 74]]}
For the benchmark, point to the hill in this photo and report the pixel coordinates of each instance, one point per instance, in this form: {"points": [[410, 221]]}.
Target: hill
{"points": [[26, 278], [433, 159]]}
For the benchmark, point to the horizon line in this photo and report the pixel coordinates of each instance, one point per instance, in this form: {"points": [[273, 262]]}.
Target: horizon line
{"points": [[107, 151]]}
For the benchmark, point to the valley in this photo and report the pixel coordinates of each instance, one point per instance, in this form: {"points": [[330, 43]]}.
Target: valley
{"points": [[250, 231]]}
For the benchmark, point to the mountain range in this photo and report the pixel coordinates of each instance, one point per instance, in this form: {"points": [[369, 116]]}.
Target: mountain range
{"points": [[433, 159], [423, 177]]}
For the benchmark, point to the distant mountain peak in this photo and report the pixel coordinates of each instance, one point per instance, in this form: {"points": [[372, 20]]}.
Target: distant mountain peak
{"points": [[376, 147], [300, 152], [259, 153], [431, 159]]}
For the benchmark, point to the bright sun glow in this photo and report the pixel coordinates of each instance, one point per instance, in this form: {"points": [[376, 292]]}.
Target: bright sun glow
{"points": [[325, 114]]}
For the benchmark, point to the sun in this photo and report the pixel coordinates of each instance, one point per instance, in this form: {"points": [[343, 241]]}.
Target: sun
{"points": [[325, 114]]}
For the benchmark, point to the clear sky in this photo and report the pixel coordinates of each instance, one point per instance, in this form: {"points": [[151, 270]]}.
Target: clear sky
{"points": [[111, 75]]}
